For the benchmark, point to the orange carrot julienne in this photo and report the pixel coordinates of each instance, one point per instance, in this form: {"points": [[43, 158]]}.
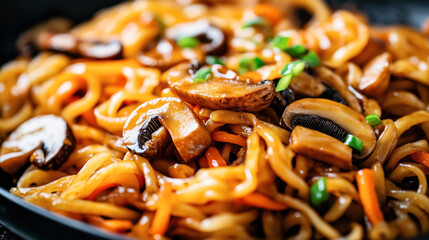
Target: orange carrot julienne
{"points": [[203, 162], [269, 12], [113, 225], [261, 201], [89, 116], [163, 212], [113, 182], [366, 185], [421, 157], [70, 87], [214, 158], [98, 190], [222, 136]]}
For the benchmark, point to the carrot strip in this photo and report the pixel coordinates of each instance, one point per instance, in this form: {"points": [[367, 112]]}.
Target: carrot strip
{"points": [[113, 225], [70, 87], [269, 12], [163, 212], [118, 180], [421, 157], [89, 116], [203, 162], [98, 190], [221, 136], [261, 201], [366, 185], [214, 158]]}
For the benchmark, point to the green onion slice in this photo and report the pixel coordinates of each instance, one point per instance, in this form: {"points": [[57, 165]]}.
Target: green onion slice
{"points": [[255, 22], [354, 142], [202, 75], [280, 42], [373, 120], [319, 192], [283, 82], [296, 51], [295, 68], [311, 59], [213, 60], [249, 64], [187, 42]]}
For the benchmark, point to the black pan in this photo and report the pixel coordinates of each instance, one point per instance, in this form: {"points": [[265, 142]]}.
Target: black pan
{"points": [[32, 222]]}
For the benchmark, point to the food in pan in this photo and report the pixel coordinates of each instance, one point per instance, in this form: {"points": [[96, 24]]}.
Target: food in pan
{"points": [[282, 119]]}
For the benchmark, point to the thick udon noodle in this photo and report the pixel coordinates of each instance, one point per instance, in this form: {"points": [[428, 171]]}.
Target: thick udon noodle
{"points": [[203, 203]]}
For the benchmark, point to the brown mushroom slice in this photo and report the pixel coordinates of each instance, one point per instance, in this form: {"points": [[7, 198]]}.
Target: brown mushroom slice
{"points": [[47, 141], [69, 44], [334, 80], [322, 147], [334, 117], [144, 132], [307, 85], [376, 75], [220, 92]]}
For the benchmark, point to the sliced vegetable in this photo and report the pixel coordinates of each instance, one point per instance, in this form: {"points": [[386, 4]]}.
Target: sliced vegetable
{"points": [[373, 120], [249, 64], [213, 60], [202, 75], [296, 51], [261, 201], [311, 59], [366, 185], [280, 42], [222, 136], [113, 225], [354, 142], [163, 211], [283, 83], [256, 22], [295, 68], [421, 157], [269, 12], [214, 158], [319, 192], [187, 42]]}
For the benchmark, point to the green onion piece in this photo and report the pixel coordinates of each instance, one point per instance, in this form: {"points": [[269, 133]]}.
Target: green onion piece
{"points": [[311, 59], [319, 192], [255, 22], [373, 120], [249, 64], [187, 42], [213, 60], [296, 51], [280, 42], [354, 142], [283, 82], [202, 75], [295, 68]]}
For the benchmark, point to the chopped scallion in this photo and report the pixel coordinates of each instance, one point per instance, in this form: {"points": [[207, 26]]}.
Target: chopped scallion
{"points": [[256, 21], [295, 68], [354, 142], [249, 64], [296, 51], [373, 120], [283, 82], [213, 60], [187, 42], [202, 75], [311, 59], [280, 42], [319, 192]]}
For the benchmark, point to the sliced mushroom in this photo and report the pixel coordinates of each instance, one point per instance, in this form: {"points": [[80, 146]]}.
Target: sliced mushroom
{"points": [[321, 147], [376, 75], [373, 48], [46, 141], [69, 44], [306, 85], [150, 127], [224, 90], [282, 99], [212, 38], [331, 118]]}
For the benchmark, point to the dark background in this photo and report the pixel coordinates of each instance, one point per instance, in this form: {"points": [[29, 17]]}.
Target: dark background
{"points": [[18, 15]]}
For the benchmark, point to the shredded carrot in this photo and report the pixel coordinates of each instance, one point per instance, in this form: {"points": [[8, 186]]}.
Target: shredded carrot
{"points": [[269, 12], [261, 201], [214, 158], [421, 157], [113, 225], [425, 26], [163, 212], [89, 116], [203, 162], [117, 180], [69, 87], [366, 185], [252, 77], [222, 136]]}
